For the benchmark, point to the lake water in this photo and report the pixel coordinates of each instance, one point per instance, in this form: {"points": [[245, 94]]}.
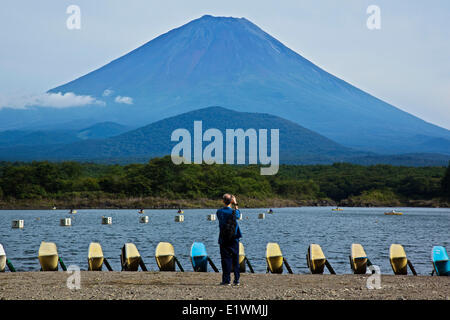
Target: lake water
{"points": [[293, 228]]}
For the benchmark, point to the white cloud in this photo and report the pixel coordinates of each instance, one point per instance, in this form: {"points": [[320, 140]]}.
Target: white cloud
{"points": [[52, 100], [126, 100], [108, 92]]}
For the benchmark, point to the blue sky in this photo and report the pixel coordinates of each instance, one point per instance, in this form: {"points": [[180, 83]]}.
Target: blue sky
{"points": [[405, 63]]}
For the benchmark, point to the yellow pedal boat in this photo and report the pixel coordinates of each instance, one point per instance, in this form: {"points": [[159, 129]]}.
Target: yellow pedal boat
{"points": [[358, 259], [95, 257], [393, 213], [165, 256], [130, 257], [315, 259], [398, 259], [48, 256], [274, 258]]}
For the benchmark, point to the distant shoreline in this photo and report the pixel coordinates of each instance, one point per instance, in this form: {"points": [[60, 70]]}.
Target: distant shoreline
{"points": [[161, 203]]}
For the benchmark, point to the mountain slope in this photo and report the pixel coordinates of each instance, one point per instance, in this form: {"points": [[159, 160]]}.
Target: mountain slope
{"points": [[41, 137], [297, 144], [233, 63]]}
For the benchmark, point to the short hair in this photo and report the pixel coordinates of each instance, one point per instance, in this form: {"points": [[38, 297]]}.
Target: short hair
{"points": [[227, 198]]}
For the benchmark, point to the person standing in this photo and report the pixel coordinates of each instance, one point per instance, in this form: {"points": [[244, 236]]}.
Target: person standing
{"points": [[229, 235]]}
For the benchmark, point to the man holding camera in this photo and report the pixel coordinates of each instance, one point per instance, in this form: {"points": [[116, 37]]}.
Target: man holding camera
{"points": [[229, 239]]}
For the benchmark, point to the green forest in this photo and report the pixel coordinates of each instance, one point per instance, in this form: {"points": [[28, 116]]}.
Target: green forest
{"points": [[160, 183]]}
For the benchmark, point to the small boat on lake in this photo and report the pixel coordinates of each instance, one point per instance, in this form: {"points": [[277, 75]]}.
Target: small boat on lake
{"points": [[337, 209], [393, 213], [48, 256], [141, 211], [270, 211], [439, 258], [180, 211], [95, 257], [72, 211]]}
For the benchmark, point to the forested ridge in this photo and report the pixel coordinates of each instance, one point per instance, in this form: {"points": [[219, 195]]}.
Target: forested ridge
{"points": [[340, 183]]}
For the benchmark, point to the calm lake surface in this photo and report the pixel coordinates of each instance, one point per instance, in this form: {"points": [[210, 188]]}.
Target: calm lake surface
{"points": [[293, 228]]}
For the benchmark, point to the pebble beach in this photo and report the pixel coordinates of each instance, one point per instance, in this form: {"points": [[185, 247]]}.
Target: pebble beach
{"points": [[205, 286]]}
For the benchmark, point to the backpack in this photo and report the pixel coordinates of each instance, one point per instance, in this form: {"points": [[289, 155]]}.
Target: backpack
{"points": [[228, 230]]}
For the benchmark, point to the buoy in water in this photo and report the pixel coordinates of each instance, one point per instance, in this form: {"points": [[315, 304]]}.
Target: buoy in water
{"points": [[211, 217], [106, 220], [17, 224], [179, 218], [143, 219], [261, 216], [66, 222]]}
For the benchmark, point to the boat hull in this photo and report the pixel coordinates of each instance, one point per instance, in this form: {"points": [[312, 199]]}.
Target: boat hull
{"points": [[48, 256], [130, 257], [165, 256], [199, 257], [398, 259], [95, 257], [241, 257], [2, 258], [440, 260], [358, 259], [316, 259], [2, 263], [274, 258], [390, 213]]}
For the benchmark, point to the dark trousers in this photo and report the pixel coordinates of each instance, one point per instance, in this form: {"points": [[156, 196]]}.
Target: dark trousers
{"points": [[230, 260]]}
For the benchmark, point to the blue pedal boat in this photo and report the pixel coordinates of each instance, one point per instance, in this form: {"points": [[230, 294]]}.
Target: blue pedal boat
{"points": [[439, 257], [199, 257]]}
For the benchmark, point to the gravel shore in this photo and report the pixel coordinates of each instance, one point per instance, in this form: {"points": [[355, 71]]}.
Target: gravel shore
{"points": [[202, 286]]}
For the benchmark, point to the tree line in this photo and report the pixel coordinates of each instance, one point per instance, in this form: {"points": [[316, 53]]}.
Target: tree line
{"points": [[161, 178]]}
